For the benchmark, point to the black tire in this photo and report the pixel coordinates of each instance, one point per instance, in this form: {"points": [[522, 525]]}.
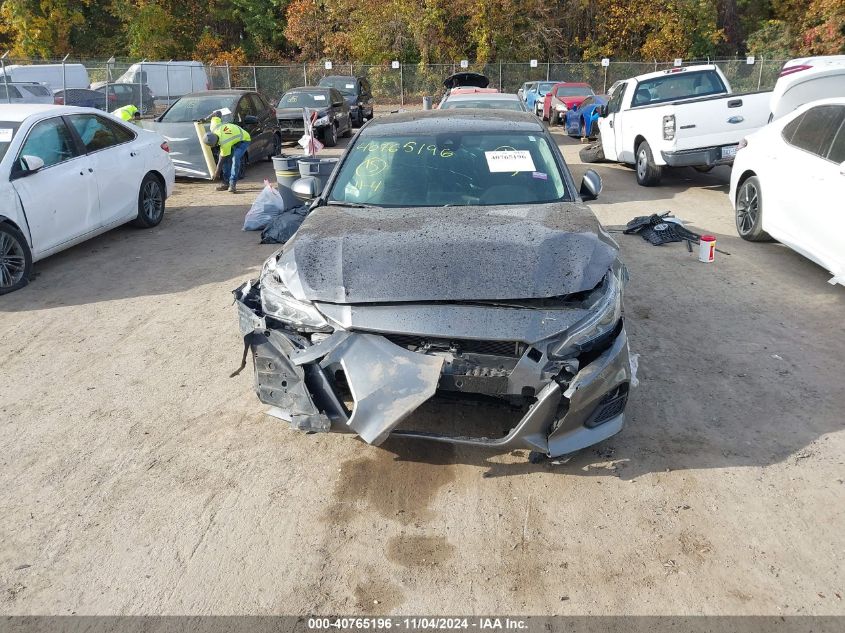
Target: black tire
{"points": [[648, 174], [15, 259], [749, 211], [150, 202], [592, 153], [277, 147], [330, 136], [703, 169], [348, 131]]}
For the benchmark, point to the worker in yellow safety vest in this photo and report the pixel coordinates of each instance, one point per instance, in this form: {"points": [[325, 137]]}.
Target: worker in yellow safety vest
{"points": [[233, 141], [127, 113]]}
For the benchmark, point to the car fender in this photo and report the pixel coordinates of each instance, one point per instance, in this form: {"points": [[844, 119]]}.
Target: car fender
{"points": [[12, 211]]}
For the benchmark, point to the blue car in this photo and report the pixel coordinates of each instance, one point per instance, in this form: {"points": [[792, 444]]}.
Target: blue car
{"points": [[534, 96], [581, 121]]}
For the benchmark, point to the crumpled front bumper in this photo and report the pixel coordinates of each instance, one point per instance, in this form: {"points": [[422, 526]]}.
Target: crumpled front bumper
{"points": [[389, 382]]}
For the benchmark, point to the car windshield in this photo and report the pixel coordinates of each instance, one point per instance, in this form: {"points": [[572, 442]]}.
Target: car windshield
{"points": [[449, 169], [484, 104], [544, 87], [346, 85], [574, 91], [194, 108], [305, 99], [7, 133]]}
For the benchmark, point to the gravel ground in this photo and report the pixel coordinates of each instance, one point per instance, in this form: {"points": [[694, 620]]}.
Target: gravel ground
{"points": [[141, 479]]}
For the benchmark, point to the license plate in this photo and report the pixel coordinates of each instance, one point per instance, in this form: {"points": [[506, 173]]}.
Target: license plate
{"points": [[729, 151]]}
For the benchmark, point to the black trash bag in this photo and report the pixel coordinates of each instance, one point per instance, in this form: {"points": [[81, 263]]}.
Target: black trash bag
{"points": [[283, 226], [658, 229]]}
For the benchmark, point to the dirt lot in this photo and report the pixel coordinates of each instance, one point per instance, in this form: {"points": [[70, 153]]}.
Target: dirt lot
{"points": [[139, 478]]}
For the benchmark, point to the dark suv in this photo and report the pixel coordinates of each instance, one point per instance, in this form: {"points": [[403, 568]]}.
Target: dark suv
{"points": [[120, 95], [357, 93]]}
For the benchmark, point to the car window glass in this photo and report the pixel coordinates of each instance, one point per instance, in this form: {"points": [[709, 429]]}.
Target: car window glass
{"points": [[302, 99], [616, 99], [837, 148], [97, 133], [258, 107], [245, 108], [14, 92], [7, 133], [337, 98], [38, 91], [679, 85], [816, 129], [50, 141], [586, 102]]}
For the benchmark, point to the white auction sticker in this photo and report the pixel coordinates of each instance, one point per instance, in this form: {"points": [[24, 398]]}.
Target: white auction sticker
{"points": [[509, 160], [350, 85], [6, 135], [319, 98]]}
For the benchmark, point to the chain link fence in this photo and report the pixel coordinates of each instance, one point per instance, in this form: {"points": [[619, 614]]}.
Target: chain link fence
{"points": [[405, 85]]}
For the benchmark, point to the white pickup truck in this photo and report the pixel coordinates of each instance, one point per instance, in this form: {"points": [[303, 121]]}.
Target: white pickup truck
{"points": [[679, 117]]}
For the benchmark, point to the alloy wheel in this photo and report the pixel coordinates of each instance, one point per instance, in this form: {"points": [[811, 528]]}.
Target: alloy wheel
{"points": [[747, 208], [12, 261], [153, 201]]}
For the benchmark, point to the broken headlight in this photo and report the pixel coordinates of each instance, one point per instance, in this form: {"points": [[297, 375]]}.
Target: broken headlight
{"points": [[279, 303], [604, 315]]}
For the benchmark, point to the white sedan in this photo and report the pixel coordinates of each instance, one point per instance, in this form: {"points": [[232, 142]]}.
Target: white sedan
{"points": [[68, 174], [788, 183]]}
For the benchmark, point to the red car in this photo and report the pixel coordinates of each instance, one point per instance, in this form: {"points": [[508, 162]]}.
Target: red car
{"points": [[562, 97]]}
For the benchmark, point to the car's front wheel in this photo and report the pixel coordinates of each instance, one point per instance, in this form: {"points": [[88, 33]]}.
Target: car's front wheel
{"points": [[648, 173], [15, 259], [150, 202], [749, 211]]}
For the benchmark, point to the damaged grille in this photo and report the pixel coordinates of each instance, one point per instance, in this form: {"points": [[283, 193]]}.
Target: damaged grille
{"points": [[293, 124], [510, 349]]}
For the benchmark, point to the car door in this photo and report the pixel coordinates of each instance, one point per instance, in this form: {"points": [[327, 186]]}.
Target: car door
{"points": [[803, 181], [341, 111], [117, 163], [832, 187], [609, 126], [267, 121], [60, 199], [258, 143]]}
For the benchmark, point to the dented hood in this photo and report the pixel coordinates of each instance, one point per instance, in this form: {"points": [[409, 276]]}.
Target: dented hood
{"points": [[347, 255]]}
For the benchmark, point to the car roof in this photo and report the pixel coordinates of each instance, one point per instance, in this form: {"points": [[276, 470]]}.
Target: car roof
{"points": [[21, 111], [219, 93], [339, 77], [428, 122], [673, 70], [475, 96], [311, 89]]}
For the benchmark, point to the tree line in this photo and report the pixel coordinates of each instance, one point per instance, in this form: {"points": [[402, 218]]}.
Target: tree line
{"points": [[420, 31]]}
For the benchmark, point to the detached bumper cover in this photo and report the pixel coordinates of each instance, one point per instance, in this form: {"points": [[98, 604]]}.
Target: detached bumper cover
{"points": [[388, 382]]}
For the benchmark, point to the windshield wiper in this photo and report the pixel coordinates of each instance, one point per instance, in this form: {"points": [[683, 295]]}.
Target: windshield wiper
{"points": [[352, 205]]}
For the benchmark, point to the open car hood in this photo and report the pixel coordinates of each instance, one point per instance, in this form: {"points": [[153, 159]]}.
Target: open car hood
{"points": [[350, 256], [476, 80]]}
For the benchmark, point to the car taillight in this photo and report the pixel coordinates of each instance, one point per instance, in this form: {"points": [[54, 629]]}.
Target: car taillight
{"points": [[112, 97], [669, 127], [165, 147], [58, 100], [742, 143], [790, 70]]}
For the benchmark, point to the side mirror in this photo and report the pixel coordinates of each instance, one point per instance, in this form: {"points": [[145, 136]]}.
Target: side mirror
{"points": [[28, 165], [590, 185], [307, 188]]}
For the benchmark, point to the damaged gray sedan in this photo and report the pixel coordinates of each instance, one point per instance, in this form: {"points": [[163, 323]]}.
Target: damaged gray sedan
{"points": [[450, 258]]}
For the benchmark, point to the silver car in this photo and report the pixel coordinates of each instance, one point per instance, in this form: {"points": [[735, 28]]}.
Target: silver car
{"points": [[24, 92], [450, 259]]}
